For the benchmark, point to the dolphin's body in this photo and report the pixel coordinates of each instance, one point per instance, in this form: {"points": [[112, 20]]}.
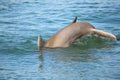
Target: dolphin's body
{"points": [[70, 33]]}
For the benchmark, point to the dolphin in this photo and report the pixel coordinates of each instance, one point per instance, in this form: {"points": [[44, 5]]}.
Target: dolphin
{"points": [[66, 36]]}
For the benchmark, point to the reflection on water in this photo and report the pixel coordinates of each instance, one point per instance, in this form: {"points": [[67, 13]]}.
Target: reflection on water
{"points": [[69, 64]]}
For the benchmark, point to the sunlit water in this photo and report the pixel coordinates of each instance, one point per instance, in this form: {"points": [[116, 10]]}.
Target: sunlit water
{"points": [[92, 58]]}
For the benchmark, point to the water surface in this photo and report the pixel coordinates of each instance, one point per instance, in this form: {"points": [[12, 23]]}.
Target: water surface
{"points": [[93, 59]]}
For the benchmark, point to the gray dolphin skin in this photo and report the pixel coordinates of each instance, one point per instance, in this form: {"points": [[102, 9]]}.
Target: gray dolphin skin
{"points": [[66, 36]]}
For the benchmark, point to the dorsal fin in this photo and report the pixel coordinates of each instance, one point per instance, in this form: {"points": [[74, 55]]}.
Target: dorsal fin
{"points": [[75, 19]]}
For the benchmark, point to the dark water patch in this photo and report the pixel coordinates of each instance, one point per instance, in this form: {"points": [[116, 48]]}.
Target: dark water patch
{"points": [[87, 3], [19, 45], [6, 22], [118, 37], [11, 50], [3, 69], [2, 7], [87, 42]]}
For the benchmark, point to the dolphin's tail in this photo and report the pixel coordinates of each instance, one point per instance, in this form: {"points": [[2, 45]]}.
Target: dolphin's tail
{"points": [[40, 42], [104, 34]]}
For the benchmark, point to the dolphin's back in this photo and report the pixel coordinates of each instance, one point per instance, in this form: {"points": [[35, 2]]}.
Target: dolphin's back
{"points": [[67, 35]]}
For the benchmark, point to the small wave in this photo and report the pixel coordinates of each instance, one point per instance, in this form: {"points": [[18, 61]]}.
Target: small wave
{"points": [[17, 49], [93, 42], [1, 69], [118, 37], [3, 7], [6, 22]]}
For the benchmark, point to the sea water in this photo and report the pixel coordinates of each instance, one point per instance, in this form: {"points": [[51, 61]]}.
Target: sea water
{"points": [[91, 58]]}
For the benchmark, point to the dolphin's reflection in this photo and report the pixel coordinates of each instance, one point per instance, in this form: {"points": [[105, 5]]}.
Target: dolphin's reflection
{"points": [[83, 51], [40, 57], [66, 62], [52, 57]]}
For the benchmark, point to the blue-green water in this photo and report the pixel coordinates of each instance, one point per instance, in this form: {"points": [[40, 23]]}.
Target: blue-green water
{"points": [[93, 59]]}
